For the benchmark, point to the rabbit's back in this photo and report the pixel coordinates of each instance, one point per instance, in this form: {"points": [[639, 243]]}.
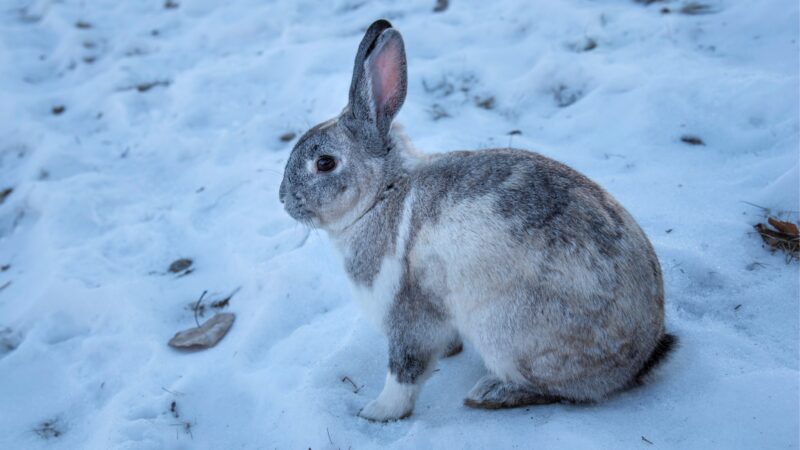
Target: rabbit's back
{"points": [[548, 276]]}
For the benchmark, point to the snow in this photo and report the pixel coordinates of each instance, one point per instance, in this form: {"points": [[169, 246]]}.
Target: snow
{"points": [[126, 180]]}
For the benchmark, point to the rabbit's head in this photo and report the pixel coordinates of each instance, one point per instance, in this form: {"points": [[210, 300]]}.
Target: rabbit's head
{"points": [[338, 168]]}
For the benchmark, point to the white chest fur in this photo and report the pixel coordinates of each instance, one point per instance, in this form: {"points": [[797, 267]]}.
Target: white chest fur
{"points": [[376, 299]]}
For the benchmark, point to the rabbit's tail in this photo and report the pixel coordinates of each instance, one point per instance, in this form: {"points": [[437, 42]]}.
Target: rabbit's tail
{"points": [[666, 344]]}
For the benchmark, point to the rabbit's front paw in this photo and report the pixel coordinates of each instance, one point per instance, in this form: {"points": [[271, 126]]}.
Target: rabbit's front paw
{"points": [[395, 402], [380, 410]]}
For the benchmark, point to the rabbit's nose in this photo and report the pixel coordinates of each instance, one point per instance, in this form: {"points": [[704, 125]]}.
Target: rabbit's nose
{"points": [[282, 191]]}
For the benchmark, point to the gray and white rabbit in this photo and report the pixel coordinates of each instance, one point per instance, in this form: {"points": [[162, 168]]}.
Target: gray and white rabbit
{"points": [[541, 270]]}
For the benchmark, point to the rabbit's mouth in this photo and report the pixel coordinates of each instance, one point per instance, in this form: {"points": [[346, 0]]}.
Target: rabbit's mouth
{"points": [[300, 213]]}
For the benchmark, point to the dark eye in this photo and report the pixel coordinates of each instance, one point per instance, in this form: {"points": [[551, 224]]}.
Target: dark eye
{"points": [[326, 163]]}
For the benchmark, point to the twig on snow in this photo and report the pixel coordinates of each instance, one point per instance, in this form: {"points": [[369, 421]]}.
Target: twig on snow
{"points": [[355, 386], [197, 305]]}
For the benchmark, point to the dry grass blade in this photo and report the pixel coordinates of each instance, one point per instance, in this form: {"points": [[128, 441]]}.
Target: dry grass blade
{"points": [[694, 9], [196, 308], [5, 193]]}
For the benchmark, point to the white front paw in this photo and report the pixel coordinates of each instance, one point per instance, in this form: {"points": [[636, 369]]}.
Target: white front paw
{"points": [[395, 402], [383, 411]]}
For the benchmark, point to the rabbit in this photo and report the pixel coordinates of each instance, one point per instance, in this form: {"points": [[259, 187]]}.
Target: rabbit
{"points": [[549, 279]]}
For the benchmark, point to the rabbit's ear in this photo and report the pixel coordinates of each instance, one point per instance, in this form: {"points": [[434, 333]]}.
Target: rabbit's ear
{"points": [[379, 81]]}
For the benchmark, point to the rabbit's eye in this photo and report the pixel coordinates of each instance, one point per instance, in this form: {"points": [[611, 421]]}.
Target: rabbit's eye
{"points": [[326, 163]]}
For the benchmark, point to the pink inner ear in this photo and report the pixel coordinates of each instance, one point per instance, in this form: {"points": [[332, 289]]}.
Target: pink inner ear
{"points": [[385, 75]]}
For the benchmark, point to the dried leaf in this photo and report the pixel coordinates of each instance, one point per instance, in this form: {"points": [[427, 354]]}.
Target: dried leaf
{"points": [[778, 240], [784, 227], [486, 103], [179, 265], [692, 140], [219, 304], [206, 335]]}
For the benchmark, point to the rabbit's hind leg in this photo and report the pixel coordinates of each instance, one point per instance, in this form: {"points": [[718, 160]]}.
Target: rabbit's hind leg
{"points": [[491, 392]]}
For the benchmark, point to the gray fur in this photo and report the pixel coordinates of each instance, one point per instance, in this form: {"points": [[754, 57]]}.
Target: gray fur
{"points": [[364, 262], [548, 277], [416, 316]]}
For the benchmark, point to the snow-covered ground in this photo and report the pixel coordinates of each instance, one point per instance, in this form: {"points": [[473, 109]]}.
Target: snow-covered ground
{"points": [[169, 146]]}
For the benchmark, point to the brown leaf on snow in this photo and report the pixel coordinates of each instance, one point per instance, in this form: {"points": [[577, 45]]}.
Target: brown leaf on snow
{"points": [[206, 335], [179, 265], [784, 236], [784, 227]]}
